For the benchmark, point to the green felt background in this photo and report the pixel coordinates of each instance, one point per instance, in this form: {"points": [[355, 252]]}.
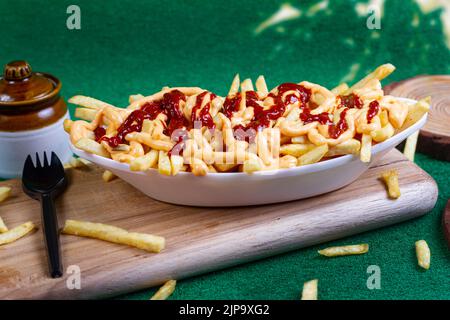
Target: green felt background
{"points": [[127, 47]]}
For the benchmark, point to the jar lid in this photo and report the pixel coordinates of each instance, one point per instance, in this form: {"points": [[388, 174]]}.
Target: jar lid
{"points": [[19, 86]]}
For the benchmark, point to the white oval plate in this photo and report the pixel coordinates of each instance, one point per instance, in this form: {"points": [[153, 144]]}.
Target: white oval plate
{"points": [[242, 189]]}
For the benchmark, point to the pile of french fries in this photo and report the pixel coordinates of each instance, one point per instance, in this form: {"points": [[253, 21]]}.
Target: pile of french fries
{"points": [[285, 142]]}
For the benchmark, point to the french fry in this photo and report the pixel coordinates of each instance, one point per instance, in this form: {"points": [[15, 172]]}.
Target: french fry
{"points": [[296, 149], [86, 113], [165, 291], [3, 227], [145, 162], [135, 97], [114, 234], [410, 146], [384, 118], [366, 148], [423, 254], [261, 86], [391, 180], [383, 133], [344, 250], [247, 85], [416, 112], [16, 233], [92, 146], [108, 176], [5, 193], [313, 155], [177, 163], [252, 165], [340, 89], [164, 165], [351, 146], [67, 125], [379, 73], [299, 139], [234, 86], [310, 290], [288, 162], [76, 163], [89, 102]]}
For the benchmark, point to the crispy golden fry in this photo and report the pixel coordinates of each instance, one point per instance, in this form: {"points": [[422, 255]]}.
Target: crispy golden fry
{"points": [[344, 250], [391, 180], [366, 148], [423, 254], [380, 73], [287, 162], [247, 85], [384, 118], [351, 146], [89, 102], [177, 163], [92, 146], [165, 291], [145, 162], [113, 234], [164, 165], [135, 97], [310, 290], [108, 176], [261, 86], [416, 112], [16, 233], [340, 89], [296, 149], [3, 227], [77, 163], [67, 125], [313, 155], [5, 193], [86, 113], [383, 133], [410, 146], [299, 139], [252, 165], [234, 86]]}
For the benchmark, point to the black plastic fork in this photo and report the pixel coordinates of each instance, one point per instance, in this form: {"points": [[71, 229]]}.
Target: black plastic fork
{"points": [[45, 183]]}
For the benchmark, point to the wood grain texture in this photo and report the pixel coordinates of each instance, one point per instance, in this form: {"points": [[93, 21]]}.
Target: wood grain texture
{"points": [[198, 239], [435, 135]]}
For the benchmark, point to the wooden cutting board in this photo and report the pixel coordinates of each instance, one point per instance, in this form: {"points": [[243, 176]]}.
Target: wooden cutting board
{"points": [[198, 239]]}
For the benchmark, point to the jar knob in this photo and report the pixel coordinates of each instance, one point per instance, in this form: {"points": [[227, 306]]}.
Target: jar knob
{"points": [[17, 70]]}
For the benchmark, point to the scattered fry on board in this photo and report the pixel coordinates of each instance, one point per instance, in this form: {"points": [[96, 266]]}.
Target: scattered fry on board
{"points": [[16, 233], [5, 193], [410, 146], [165, 291], [3, 227], [423, 254], [345, 250], [310, 290], [391, 179], [108, 176], [110, 233]]}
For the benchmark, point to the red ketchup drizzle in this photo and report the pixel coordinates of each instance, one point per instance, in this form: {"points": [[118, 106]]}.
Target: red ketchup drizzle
{"points": [[231, 104], [335, 130], [261, 118], [351, 101], [374, 107], [322, 118], [169, 105], [204, 116]]}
